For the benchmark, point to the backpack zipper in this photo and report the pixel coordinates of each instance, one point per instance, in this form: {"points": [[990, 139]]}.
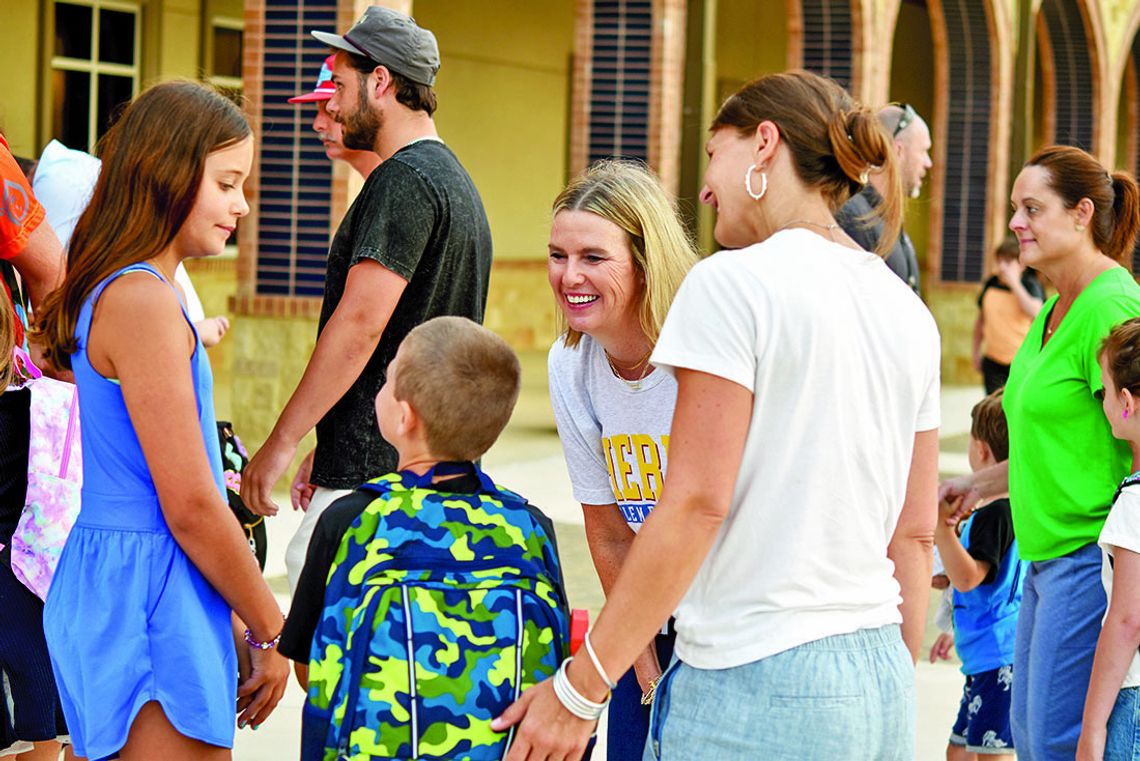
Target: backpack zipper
{"points": [[359, 658], [411, 672], [518, 665]]}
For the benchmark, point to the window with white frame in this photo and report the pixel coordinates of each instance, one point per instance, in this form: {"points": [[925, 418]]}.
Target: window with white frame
{"points": [[94, 67], [224, 56]]}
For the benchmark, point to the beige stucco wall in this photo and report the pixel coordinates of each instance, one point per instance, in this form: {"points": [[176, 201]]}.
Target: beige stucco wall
{"points": [[18, 107]]}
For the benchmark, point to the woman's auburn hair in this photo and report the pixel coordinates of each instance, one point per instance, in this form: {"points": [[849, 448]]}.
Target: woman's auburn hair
{"points": [[835, 141], [630, 196], [153, 161], [1074, 175]]}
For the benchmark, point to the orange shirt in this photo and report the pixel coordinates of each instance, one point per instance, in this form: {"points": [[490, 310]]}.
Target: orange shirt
{"points": [[20, 212], [20, 215], [1004, 323]]}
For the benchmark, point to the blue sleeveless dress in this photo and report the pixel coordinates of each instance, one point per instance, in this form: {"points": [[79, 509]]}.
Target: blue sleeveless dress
{"points": [[129, 618]]}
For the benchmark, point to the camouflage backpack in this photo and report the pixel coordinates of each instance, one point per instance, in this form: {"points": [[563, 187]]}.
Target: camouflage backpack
{"points": [[440, 609]]}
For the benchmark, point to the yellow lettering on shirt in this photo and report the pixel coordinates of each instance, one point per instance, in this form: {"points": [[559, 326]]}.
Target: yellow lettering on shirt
{"points": [[624, 469], [608, 449], [648, 465]]}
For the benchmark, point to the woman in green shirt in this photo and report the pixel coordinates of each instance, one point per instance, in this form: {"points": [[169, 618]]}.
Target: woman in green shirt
{"points": [[1073, 221]]}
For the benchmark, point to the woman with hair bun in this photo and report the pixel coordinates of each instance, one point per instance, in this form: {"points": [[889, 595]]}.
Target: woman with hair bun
{"points": [[799, 505], [1074, 222]]}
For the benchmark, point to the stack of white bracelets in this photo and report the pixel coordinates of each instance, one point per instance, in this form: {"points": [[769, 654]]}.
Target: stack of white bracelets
{"points": [[572, 700]]}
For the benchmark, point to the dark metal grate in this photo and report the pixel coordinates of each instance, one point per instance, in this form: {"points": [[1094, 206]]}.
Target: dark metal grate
{"points": [[296, 177], [620, 86], [827, 39], [1072, 67], [969, 104]]}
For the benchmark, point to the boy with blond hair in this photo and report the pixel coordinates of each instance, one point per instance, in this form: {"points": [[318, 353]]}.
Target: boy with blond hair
{"points": [[430, 597]]}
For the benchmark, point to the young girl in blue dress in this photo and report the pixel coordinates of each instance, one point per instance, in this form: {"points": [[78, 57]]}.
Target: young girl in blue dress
{"points": [[138, 618]]}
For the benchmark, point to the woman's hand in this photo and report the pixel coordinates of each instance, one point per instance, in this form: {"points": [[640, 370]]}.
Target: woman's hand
{"points": [[259, 694], [647, 669], [1091, 745], [545, 730], [961, 494]]}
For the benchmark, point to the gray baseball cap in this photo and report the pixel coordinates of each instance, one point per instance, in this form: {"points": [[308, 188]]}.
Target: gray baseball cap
{"points": [[390, 39]]}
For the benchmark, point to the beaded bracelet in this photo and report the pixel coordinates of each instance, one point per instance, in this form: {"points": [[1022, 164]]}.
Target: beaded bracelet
{"points": [[572, 700], [249, 640]]}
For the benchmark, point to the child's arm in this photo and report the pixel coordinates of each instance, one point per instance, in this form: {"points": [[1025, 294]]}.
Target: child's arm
{"points": [[965, 572], [1117, 645]]}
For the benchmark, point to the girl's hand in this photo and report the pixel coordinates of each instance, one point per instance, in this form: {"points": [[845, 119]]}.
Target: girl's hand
{"points": [[259, 694], [1091, 745]]}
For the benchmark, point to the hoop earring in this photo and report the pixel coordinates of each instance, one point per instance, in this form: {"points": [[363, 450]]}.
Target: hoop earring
{"points": [[1079, 227], [748, 183]]}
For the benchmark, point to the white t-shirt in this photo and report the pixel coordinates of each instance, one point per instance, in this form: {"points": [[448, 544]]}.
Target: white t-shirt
{"points": [[842, 359], [615, 438], [1122, 529], [63, 184]]}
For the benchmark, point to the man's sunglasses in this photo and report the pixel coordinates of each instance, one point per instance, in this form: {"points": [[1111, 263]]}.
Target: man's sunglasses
{"points": [[907, 118]]}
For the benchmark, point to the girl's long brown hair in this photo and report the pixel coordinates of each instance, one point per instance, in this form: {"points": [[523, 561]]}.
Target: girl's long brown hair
{"points": [[153, 160]]}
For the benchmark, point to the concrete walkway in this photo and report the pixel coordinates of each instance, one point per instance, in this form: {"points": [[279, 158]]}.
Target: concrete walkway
{"points": [[528, 458]]}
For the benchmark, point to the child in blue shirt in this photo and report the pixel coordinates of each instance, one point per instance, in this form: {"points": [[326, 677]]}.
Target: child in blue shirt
{"points": [[980, 559]]}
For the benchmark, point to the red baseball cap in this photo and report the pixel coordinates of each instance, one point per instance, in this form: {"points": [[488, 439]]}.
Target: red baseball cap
{"points": [[324, 88]]}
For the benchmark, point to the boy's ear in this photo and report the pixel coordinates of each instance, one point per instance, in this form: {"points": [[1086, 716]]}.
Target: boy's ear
{"points": [[409, 420], [985, 454]]}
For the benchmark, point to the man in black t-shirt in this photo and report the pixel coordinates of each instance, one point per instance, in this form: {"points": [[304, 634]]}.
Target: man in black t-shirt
{"points": [[415, 244]]}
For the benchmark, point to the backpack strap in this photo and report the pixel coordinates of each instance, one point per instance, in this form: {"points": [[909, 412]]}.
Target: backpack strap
{"points": [[1131, 480], [409, 480]]}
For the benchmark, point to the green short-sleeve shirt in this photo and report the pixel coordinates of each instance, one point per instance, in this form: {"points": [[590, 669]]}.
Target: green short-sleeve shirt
{"points": [[1064, 463]]}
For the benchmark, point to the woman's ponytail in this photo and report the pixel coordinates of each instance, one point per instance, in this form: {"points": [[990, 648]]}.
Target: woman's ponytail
{"points": [[1126, 214], [863, 146]]}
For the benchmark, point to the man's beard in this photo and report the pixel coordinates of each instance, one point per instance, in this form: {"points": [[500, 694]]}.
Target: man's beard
{"points": [[361, 126]]}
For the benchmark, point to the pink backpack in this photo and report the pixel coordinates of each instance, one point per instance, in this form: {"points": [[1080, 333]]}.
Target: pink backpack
{"points": [[55, 475]]}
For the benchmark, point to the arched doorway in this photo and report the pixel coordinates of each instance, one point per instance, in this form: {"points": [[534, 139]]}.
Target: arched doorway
{"points": [[1069, 96]]}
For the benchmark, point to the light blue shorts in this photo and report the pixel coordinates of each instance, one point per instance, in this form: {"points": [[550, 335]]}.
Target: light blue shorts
{"points": [[1123, 743], [842, 697]]}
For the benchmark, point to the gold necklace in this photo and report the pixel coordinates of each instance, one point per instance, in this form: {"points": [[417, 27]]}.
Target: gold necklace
{"points": [[634, 385], [830, 227]]}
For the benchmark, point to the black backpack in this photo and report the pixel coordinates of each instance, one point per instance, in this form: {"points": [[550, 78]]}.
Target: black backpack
{"points": [[234, 460]]}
